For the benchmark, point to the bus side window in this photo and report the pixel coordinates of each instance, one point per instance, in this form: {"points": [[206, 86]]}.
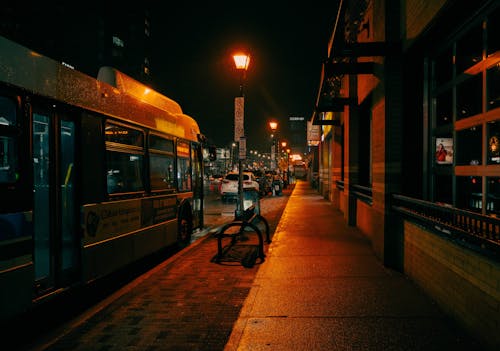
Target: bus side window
{"points": [[124, 172], [124, 158], [183, 174], [161, 171], [161, 163], [8, 141]]}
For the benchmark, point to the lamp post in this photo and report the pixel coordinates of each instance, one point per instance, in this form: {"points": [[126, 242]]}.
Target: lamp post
{"points": [[241, 62], [288, 166], [285, 174], [273, 125], [234, 149]]}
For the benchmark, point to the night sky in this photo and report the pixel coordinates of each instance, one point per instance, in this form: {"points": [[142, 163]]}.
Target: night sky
{"points": [[193, 63]]}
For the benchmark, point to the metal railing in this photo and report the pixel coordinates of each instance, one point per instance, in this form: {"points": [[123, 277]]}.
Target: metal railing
{"points": [[363, 193], [339, 184], [475, 230], [480, 231]]}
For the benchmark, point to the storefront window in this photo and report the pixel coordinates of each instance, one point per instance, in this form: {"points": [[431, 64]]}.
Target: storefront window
{"points": [[469, 194], [468, 149], [493, 191], [469, 49], [493, 86], [465, 130], [493, 33], [469, 94], [444, 109], [493, 142], [443, 185], [443, 67]]}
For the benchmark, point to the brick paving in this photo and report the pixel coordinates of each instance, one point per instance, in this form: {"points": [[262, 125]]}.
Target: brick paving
{"points": [[185, 303]]}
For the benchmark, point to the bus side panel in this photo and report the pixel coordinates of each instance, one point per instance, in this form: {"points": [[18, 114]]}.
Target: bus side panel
{"points": [[103, 258], [16, 263], [93, 158], [170, 233], [119, 232], [16, 287], [155, 238]]}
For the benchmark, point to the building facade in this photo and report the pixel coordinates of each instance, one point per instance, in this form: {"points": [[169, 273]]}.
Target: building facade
{"points": [[86, 37], [410, 153], [297, 131]]}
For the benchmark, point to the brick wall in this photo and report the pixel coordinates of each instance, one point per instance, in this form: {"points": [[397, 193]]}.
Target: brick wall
{"points": [[465, 284], [364, 219]]}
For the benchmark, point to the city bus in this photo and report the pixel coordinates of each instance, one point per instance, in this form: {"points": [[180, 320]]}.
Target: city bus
{"points": [[95, 174]]}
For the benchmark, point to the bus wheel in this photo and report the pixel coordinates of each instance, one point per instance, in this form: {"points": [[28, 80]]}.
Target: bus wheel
{"points": [[185, 230]]}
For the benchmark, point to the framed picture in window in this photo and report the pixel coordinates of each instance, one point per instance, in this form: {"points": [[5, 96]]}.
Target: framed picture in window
{"points": [[444, 151]]}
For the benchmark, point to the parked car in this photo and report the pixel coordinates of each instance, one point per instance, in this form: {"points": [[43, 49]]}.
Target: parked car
{"points": [[215, 182], [229, 185], [276, 182], [264, 184]]}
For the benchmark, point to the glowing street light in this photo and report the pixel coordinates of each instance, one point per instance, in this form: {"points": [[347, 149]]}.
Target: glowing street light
{"points": [[273, 125], [241, 61]]}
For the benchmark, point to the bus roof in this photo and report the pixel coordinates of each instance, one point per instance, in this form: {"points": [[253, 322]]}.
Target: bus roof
{"points": [[132, 87], [113, 93]]}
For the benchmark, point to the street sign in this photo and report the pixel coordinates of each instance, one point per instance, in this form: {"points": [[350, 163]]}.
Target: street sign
{"points": [[239, 103], [243, 148]]}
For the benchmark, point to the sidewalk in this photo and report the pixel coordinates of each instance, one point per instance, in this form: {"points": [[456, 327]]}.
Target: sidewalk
{"points": [[322, 288]]}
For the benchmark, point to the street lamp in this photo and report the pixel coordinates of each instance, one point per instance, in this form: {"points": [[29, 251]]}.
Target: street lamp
{"points": [[283, 148], [241, 62], [234, 149], [273, 125], [288, 166]]}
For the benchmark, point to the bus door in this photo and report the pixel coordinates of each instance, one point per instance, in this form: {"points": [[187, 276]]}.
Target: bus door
{"points": [[197, 177], [56, 239]]}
